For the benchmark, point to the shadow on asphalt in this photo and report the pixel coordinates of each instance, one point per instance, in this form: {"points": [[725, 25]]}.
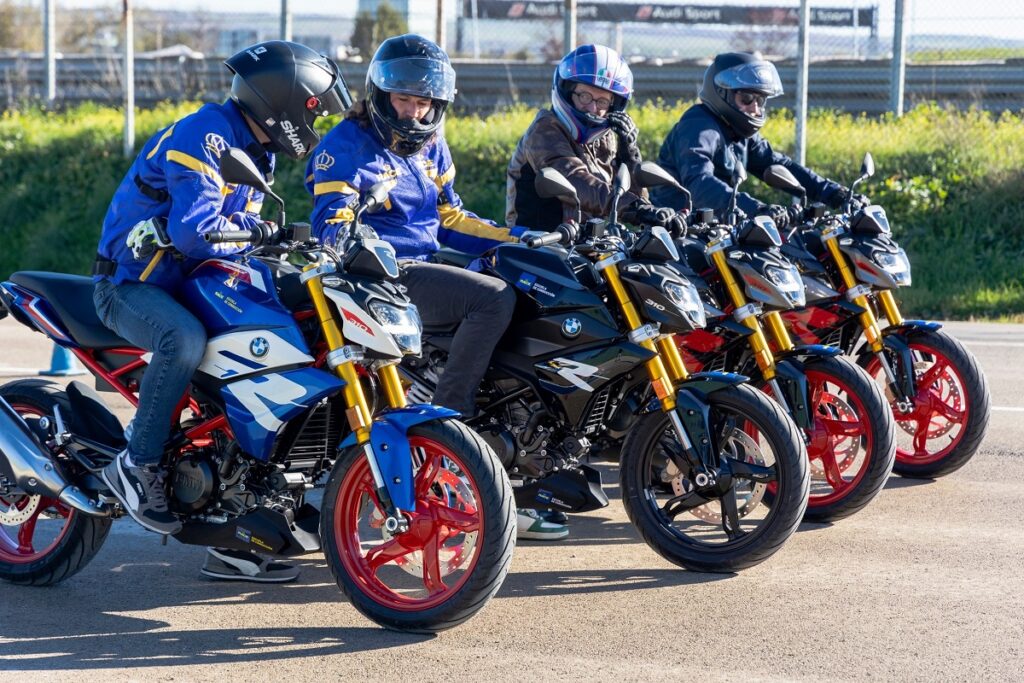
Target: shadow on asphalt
{"points": [[898, 482], [590, 581], [86, 622]]}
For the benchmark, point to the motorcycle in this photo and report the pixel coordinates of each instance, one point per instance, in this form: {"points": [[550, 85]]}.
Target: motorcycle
{"points": [[851, 264], [589, 349], [841, 411], [417, 522]]}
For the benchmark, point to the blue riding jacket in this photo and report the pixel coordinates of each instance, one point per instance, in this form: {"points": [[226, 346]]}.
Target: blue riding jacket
{"points": [[701, 152], [176, 176], [422, 211]]}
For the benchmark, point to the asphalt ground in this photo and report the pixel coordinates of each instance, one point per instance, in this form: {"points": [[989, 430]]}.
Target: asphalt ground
{"points": [[926, 584]]}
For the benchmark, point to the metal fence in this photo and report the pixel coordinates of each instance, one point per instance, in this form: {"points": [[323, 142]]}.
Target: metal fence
{"points": [[861, 86]]}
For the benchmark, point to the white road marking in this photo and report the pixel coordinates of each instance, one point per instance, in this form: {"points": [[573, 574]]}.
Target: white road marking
{"points": [[1015, 345], [1008, 409]]}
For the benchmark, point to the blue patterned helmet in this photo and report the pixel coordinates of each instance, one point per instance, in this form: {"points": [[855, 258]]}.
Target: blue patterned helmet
{"points": [[594, 65]]}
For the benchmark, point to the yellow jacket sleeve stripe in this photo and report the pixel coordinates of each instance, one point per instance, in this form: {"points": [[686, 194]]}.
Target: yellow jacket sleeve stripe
{"points": [[156, 147], [191, 162], [333, 186], [457, 220], [443, 180], [345, 215]]}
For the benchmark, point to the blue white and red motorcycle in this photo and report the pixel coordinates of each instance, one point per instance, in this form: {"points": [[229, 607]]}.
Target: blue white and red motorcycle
{"points": [[417, 521]]}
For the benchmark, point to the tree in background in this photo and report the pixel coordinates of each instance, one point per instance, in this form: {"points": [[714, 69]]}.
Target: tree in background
{"points": [[20, 27], [370, 31]]}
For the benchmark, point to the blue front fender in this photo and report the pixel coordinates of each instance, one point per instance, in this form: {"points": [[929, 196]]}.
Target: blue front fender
{"points": [[390, 442]]}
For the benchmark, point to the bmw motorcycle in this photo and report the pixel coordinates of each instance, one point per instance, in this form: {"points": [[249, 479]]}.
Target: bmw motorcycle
{"points": [[417, 522], [841, 411], [852, 265], [590, 349]]}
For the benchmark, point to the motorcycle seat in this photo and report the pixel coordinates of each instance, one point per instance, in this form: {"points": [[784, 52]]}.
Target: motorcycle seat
{"points": [[70, 296], [451, 257]]}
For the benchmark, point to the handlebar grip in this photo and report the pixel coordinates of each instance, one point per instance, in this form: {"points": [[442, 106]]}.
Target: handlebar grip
{"points": [[230, 236], [544, 240]]}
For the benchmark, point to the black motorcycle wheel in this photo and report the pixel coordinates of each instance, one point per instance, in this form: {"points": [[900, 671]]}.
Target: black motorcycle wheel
{"points": [[951, 406], [749, 427], [852, 442], [461, 535], [42, 540]]}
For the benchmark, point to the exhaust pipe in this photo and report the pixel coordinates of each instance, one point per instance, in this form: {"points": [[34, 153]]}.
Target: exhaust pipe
{"points": [[29, 465]]}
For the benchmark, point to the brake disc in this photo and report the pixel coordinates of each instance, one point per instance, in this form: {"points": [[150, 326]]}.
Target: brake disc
{"points": [[845, 448], [12, 515], [739, 446]]}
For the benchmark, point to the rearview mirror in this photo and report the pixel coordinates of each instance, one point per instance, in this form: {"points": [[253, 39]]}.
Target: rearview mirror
{"points": [[650, 175], [236, 167], [867, 167], [550, 183], [780, 177], [739, 175], [377, 196], [622, 179]]}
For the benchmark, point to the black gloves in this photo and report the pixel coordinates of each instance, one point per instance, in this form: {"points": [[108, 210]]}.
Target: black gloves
{"points": [[777, 213], [858, 202], [622, 125], [642, 211], [269, 233]]}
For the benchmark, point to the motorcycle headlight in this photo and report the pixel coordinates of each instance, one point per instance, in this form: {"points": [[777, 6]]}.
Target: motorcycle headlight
{"points": [[896, 265], [687, 300], [788, 281], [403, 324]]}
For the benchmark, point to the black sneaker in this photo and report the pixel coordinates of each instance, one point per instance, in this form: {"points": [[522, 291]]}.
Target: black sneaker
{"points": [[141, 492], [239, 565]]}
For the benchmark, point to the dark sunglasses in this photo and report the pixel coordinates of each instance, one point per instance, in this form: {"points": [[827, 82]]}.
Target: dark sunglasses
{"points": [[748, 98]]}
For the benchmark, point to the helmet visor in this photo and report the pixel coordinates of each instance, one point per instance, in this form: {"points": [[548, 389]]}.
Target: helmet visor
{"points": [[760, 77], [416, 76], [335, 99]]}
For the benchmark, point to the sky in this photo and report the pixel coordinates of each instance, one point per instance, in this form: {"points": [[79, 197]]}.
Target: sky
{"points": [[1001, 18]]}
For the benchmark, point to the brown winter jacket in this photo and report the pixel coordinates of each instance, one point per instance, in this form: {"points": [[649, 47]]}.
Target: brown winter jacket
{"points": [[588, 167]]}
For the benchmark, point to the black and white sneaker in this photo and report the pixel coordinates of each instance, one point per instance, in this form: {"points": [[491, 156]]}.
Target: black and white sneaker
{"points": [[141, 492], [238, 565]]}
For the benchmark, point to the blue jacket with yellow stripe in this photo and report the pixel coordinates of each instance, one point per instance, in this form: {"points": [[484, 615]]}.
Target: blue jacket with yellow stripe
{"points": [[176, 177], [423, 210]]}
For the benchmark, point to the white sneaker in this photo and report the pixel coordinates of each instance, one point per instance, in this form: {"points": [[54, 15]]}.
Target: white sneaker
{"points": [[532, 527]]}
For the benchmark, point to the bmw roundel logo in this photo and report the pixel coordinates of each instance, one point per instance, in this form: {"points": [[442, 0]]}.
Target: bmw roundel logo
{"points": [[259, 347], [571, 327]]}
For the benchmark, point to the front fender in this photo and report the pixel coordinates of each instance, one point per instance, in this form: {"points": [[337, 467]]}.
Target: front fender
{"points": [[803, 353], [912, 326], [693, 408], [390, 442]]}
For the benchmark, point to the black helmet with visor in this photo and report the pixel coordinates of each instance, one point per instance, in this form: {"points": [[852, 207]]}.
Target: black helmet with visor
{"points": [[739, 72], [409, 65], [284, 87]]}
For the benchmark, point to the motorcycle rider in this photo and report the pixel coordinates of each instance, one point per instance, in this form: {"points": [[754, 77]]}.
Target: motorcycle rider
{"points": [[173, 194], [394, 134], [585, 135], [703, 148]]}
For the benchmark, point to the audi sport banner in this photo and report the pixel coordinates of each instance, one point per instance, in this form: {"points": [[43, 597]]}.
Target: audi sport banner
{"points": [[678, 14]]}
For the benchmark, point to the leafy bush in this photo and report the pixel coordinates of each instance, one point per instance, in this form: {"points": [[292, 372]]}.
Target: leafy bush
{"points": [[951, 182]]}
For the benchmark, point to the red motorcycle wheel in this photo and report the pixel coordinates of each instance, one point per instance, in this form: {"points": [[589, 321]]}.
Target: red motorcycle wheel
{"points": [[950, 411]]}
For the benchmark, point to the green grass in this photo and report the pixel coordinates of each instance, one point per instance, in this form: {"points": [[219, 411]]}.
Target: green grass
{"points": [[952, 183]]}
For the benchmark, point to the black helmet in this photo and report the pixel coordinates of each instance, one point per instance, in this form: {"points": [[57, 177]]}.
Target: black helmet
{"points": [[283, 87], [734, 71], [412, 65]]}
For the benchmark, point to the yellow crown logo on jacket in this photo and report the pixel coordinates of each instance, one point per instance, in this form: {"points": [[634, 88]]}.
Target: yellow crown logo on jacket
{"points": [[323, 161]]}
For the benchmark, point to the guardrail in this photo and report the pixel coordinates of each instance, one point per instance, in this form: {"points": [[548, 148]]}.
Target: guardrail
{"points": [[485, 86]]}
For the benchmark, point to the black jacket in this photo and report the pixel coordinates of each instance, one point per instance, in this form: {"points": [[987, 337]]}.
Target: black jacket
{"points": [[697, 152]]}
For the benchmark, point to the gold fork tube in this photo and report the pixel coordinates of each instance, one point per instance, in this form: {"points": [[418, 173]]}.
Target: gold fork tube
{"points": [[889, 307], [867, 319], [779, 332], [758, 344], [392, 386], [358, 412], [660, 379]]}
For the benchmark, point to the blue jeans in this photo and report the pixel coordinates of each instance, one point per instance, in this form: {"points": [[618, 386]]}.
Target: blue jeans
{"points": [[150, 318]]}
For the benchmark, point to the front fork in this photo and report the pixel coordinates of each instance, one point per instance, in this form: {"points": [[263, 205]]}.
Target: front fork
{"points": [[342, 361], [858, 295]]}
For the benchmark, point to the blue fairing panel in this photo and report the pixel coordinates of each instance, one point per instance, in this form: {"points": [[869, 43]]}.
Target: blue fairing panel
{"points": [[257, 407], [388, 436]]}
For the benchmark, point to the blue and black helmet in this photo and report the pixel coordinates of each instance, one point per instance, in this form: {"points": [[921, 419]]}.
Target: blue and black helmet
{"points": [[739, 71], [594, 65], [411, 65]]}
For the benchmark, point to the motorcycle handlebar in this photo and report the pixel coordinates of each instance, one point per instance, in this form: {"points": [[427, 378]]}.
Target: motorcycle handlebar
{"points": [[543, 240], [231, 236]]}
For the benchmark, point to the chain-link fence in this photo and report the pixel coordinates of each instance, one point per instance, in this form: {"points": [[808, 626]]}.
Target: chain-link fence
{"points": [[963, 54]]}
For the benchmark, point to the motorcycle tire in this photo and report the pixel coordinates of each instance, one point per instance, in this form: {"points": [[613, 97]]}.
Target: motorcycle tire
{"points": [[43, 541], [461, 535], [737, 415], [951, 411], [851, 458]]}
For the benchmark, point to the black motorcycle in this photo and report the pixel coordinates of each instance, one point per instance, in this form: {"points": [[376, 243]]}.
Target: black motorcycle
{"points": [[590, 349]]}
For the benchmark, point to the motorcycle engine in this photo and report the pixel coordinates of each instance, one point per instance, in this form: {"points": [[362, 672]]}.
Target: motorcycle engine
{"points": [[204, 480]]}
